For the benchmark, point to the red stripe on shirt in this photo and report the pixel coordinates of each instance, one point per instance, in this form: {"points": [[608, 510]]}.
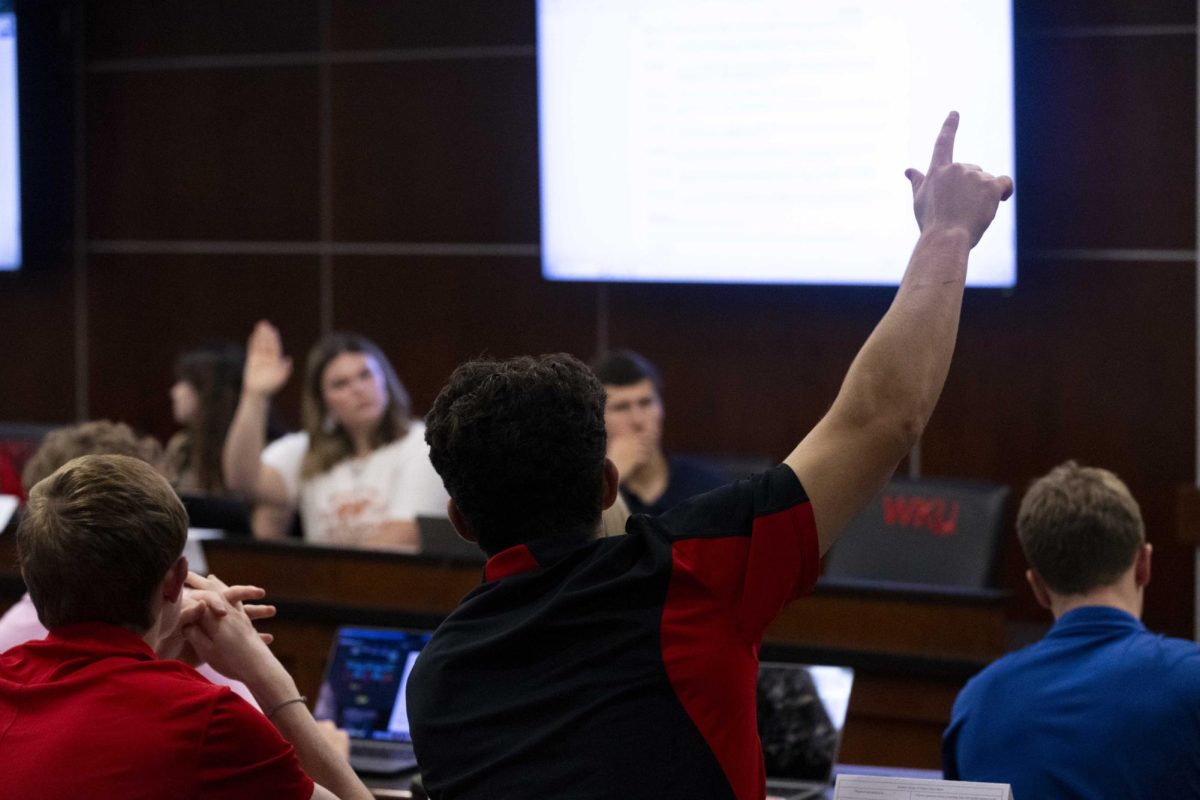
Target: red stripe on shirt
{"points": [[724, 592], [512, 561]]}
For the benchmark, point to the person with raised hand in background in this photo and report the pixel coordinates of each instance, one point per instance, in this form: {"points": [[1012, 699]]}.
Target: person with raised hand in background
{"points": [[359, 472]]}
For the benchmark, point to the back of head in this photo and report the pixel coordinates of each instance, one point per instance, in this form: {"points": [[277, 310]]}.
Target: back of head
{"points": [[1080, 528], [96, 540], [625, 368], [520, 445], [99, 437]]}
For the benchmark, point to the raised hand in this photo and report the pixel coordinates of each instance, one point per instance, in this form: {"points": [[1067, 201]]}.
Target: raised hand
{"points": [[267, 368], [953, 195]]}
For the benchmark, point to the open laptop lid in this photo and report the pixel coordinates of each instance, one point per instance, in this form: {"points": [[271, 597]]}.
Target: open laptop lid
{"points": [[365, 679], [801, 713]]}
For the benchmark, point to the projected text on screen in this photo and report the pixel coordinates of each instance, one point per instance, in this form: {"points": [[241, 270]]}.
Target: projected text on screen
{"points": [[762, 141]]}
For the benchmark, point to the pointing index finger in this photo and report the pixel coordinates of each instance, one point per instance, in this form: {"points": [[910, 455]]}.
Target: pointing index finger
{"points": [[943, 148]]}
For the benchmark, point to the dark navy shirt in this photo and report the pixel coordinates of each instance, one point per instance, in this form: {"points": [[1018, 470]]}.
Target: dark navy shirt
{"points": [[686, 477], [1099, 708], [622, 667]]}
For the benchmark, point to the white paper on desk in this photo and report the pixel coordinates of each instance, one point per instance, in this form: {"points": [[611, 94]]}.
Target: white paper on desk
{"points": [[873, 787], [8, 505]]}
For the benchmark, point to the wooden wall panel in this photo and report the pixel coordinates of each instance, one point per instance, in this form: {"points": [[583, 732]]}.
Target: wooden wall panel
{"points": [[226, 154], [131, 29], [1087, 360], [440, 151], [145, 310], [385, 24], [1106, 142], [37, 368], [1061, 14]]}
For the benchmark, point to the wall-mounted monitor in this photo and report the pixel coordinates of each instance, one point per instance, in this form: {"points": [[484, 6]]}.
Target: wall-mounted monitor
{"points": [[10, 162], [762, 141]]}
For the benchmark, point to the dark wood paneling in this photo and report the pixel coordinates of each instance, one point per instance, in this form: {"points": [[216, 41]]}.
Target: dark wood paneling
{"points": [[436, 151], [386, 24], [1106, 142], [431, 313], [134, 29], [146, 310], [37, 368], [203, 154], [1038, 14], [1086, 360]]}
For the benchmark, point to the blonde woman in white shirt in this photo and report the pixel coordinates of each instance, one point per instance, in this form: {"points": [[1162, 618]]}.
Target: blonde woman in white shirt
{"points": [[359, 472]]}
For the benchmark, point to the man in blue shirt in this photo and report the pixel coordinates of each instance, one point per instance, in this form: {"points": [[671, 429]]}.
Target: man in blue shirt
{"points": [[1100, 707]]}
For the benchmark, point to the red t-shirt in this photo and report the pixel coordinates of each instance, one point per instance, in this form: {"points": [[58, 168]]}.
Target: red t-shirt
{"points": [[92, 712]]}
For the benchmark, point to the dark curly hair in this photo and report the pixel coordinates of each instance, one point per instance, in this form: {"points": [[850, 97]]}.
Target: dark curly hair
{"points": [[520, 445]]}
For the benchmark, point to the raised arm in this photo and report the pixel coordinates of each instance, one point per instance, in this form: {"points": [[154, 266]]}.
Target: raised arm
{"points": [[894, 382], [267, 370]]}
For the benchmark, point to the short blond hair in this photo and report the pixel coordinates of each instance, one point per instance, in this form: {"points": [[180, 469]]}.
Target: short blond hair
{"points": [[1080, 528], [96, 540]]}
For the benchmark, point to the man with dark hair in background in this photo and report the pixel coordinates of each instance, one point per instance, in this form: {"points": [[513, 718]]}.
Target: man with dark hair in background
{"points": [[589, 667], [101, 707], [1100, 707], [651, 481]]}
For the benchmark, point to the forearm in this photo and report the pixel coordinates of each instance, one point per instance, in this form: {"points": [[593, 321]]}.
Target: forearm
{"points": [[898, 374], [319, 759], [242, 454], [394, 534]]}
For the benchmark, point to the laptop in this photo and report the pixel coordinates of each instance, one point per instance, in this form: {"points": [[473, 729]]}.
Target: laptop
{"points": [[363, 693], [801, 714], [439, 539]]}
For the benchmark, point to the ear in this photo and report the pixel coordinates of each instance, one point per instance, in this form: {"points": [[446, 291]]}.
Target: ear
{"points": [[172, 585], [1041, 592], [1141, 565], [612, 482], [460, 523]]}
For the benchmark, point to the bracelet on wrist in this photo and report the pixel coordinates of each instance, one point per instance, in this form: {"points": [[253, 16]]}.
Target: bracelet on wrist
{"points": [[282, 703]]}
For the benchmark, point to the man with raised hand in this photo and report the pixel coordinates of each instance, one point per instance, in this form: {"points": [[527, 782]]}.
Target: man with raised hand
{"points": [[101, 707], [625, 666]]}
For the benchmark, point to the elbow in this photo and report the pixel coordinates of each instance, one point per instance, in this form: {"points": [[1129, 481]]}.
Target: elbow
{"points": [[909, 429]]}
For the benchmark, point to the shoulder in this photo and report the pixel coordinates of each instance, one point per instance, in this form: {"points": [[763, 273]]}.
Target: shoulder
{"points": [[291, 446], [1178, 659], [410, 446], [733, 509], [995, 676], [696, 469]]}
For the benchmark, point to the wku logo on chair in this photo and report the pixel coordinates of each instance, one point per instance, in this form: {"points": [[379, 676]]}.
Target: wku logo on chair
{"points": [[933, 514]]}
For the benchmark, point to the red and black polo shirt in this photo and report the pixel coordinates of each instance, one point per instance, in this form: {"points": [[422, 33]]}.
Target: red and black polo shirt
{"points": [[619, 667]]}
